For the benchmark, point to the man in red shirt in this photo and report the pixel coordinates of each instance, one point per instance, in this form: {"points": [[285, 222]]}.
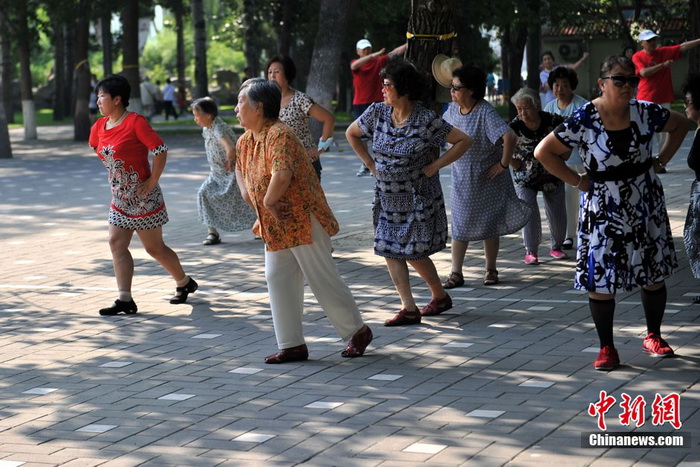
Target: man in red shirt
{"points": [[366, 83], [653, 65]]}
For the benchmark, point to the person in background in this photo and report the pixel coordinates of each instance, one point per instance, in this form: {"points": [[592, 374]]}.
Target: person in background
{"points": [[169, 99], [484, 203], [546, 66], [530, 126], [297, 107], [629, 51], [691, 230], [123, 140], [92, 103], [653, 65], [276, 178], [366, 82], [148, 98], [410, 222], [563, 81], [219, 201], [625, 236]]}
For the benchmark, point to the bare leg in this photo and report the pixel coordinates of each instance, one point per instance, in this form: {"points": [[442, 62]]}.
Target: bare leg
{"points": [[491, 246], [152, 240], [459, 250], [122, 261], [426, 268], [398, 270]]}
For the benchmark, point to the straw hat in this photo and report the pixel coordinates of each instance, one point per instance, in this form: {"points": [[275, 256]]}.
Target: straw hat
{"points": [[443, 66]]}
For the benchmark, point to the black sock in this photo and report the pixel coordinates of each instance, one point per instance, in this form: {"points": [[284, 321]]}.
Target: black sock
{"points": [[603, 312], [654, 303]]}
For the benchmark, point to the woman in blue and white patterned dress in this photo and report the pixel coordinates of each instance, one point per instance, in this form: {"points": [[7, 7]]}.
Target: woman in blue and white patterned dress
{"points": [[484, 203], [219, 202], [409, 209], [624, 238]]}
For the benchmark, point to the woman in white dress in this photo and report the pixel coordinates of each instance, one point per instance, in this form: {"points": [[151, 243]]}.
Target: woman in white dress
{"points": [[219, 202]]}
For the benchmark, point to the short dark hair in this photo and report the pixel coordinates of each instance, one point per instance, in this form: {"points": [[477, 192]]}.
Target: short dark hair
{"points": [[290, 70], [408, 81], [472, 78], [267, 93], [207, 105], [692, 87], [115, 85], [563, 72], [615, 60], [545, 53]]}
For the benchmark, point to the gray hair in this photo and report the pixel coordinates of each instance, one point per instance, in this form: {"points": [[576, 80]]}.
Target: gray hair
{"points": [[267, 93], [527, 93]]}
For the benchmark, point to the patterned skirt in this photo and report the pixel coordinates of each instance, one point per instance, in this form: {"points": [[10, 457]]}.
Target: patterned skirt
{"points": [[691, 231]]}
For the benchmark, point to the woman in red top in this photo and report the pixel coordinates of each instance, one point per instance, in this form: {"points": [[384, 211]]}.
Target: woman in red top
{"points": [[122, 140]]}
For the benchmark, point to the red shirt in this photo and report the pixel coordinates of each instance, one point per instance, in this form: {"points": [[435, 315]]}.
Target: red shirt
{"points": [[656, 88], [367, 83], [124, 152]]}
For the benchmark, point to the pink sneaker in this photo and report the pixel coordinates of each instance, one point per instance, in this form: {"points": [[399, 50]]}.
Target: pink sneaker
{"points": [[531, 258], [655, 346], [558, 254], [607, 359]]}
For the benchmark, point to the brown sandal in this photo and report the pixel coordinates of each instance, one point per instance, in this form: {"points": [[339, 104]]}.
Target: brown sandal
{"points": [[491, 277], [456, 279]]}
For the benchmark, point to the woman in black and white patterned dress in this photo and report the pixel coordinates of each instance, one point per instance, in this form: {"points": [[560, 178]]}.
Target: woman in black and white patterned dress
{"points": [[691, 231], [624, 232]]}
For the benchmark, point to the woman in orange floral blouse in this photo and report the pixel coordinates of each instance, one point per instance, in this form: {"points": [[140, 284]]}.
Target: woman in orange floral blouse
{"points": [[276, 178]]}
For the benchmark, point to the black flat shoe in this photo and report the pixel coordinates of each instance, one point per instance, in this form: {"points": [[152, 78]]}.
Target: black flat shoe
{"points": [[119, 306], [212, 239], [181, 293]]}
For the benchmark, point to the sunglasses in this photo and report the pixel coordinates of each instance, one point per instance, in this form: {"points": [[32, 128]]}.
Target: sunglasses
{"points": [[387, 85], [456, 88], [621, 80]]}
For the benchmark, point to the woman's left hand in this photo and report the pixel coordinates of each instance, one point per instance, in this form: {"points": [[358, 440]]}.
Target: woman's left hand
{"points": [[314, 154], [495, 170], [146, 187], [430, 170], [280, 210]]}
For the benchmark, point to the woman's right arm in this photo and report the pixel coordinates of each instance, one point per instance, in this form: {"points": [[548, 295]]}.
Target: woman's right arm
{"points": [[354, 137], [549, 153]]}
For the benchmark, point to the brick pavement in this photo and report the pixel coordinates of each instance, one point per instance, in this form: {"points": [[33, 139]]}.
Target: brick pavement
{"points": [[505, 378]]}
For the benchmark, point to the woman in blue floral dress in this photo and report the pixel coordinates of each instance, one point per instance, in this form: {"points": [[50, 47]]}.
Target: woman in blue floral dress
{"points": [[624, 238], [409, 208]]}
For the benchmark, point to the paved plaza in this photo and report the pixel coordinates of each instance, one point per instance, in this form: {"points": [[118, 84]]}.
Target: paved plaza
{"points": [[504, 378]]}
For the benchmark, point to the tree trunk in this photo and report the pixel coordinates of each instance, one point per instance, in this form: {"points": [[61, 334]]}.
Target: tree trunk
{"points": [[325, 64], [68, 91], [533, 44], [106, 34], [200, 50], [694, 53], [81, 76], [431, 17], [25, 74], [250, 37], [130, 50], [514, 48], [284, 32], [180, 40], [7, 64], [59, 78]]}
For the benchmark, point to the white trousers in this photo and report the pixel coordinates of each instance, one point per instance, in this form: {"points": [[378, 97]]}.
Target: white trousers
{"points": [[285, 271]]}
